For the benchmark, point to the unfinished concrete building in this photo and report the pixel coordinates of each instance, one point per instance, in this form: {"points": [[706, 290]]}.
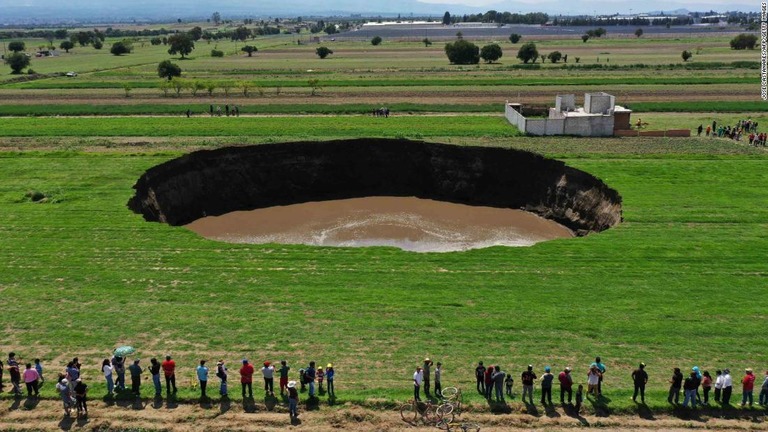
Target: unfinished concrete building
{"points": [[600, 116]]}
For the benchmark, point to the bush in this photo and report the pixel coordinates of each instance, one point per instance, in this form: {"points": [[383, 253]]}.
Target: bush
{"points": [[16, 46], [514, 38], [250, 49], [528, 52], [168, 69], [491, 53], [120, 48], [744, 41], [217, 53], [376, 40], [323, 52], [555, 56], [686, 55], [462, 52]]}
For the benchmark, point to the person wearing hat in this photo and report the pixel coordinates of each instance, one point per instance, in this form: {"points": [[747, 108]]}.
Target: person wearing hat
{"points": [[640, 379], [727, 386], [284, 369], [747, 387], [329, 374], [320, 373], [438, 377], [527, 378], [268, 371], [480, 377], [66, 395], [221, 373], [169, 370], [426, 369], [246, 378], [566, 385], [546, 386], [418, 378], [136, 371], [293, 399]]}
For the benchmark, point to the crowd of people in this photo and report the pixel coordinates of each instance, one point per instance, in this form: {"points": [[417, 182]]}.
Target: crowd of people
{"points": [[73, 390], [743, 129]]}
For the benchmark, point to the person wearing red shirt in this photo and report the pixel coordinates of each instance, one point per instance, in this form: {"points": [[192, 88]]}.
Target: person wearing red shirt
{"points": [[748, 384], [246, 378], [566, 383], [169, 370]]}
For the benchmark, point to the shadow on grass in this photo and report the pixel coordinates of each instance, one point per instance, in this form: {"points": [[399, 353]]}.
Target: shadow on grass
{"points": [[249, 405], [312, 404], [157, 402], [550, 411], [270, 402], [31, 403], [295, 421], [644, 412], [66, 423], [600, 405], [225, 404], [571, 411], [499, 407]]}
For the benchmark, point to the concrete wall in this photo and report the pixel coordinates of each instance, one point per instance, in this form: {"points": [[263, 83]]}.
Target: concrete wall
{"points": [[566, 102], [598, 103], [514, 117]]}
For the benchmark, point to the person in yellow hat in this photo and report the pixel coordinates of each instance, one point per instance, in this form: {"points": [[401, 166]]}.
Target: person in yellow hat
{"points": [[329, 374]]}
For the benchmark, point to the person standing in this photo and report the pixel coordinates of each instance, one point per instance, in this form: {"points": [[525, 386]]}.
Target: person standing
{"points": [[268, 371], [593, 381], [154, 370], [640, 379], [81, 394], [246, 378], [118, 366], [690, 390], [706, 384], [320, 377], [426, 369], [284, 369], [509, 382], [330, 373], [221, 372], [13, 370], [202, 376], [480, 377], [73, 373], [675, 384], [546, 386], [579, 397], [763, 400], [418, 377], [747, 387], [136, 371], [30, 380], [309, 377], [498, 383], [438, 377], [527, 378], [489, 382], [601, 369], [106, 369], [293, 399], [727, 386], [66, 395], [566, 385], [718, 385], [39, 369], [169, 370], [211, 110]]}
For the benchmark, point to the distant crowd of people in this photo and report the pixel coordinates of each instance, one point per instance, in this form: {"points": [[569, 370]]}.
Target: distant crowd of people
{"points": [[73, 390], [742, 129]]}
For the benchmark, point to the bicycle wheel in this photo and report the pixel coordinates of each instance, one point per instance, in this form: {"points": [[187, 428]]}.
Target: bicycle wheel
{"points": [[446, 418], [443, 424], [408, 413], [444, 409], [449, 392]]}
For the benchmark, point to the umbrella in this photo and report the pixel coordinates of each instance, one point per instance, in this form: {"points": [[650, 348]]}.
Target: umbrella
{"points": [[124, 350]]}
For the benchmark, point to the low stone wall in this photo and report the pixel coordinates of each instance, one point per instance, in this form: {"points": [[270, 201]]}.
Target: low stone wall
{"points": [[215, 182]]}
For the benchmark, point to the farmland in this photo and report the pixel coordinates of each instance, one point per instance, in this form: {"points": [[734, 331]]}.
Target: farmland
{"points": [[678, 283]]}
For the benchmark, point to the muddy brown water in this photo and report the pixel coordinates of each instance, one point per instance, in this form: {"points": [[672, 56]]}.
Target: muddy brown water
{"points": [[411, 224]]}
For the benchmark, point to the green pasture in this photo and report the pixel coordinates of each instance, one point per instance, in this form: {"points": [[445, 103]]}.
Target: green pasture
{"points": [[678, 283]]}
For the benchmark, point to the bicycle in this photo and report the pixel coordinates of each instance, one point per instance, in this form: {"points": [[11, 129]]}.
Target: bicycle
{"points": [[429, 413], [452, 397]]}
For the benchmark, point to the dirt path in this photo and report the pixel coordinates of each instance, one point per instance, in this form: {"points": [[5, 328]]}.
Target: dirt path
{"points": [[47, 415]]}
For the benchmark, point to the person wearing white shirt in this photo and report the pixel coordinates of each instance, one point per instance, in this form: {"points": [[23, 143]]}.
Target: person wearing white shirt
{"points": [[727, 386], [718, 385], [418, 378]]}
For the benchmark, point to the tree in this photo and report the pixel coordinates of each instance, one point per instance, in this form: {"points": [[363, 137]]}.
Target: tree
{"points": [[447, 18], [120, 48], [167, 69], [426, 42], [462, 52], [376, 40], [66, 45], [60, 34], [491, 53], [686, 55], [459, 35], [584, 38], [744, 41], [555, 56], [330, 29], [181, 43], [639, 32], [217, 53], [16, 46], [156, 41], [17, 61], [323, 52], [314, 84], [514, 38], [250, 49], [528, 52], [216, 18], [241, 33], [98, 44], [196, 33]]}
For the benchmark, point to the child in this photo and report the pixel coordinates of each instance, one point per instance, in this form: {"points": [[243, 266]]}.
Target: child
{"points": [[320, 375], [39, 369], [593, 379], [329, 372], [579, 397], [81, 390], [509, 381], [302, 380]]}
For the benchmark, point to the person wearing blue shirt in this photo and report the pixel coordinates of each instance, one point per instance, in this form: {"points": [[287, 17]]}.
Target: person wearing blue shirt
{"points": [[329, 374], [202, 376]]}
